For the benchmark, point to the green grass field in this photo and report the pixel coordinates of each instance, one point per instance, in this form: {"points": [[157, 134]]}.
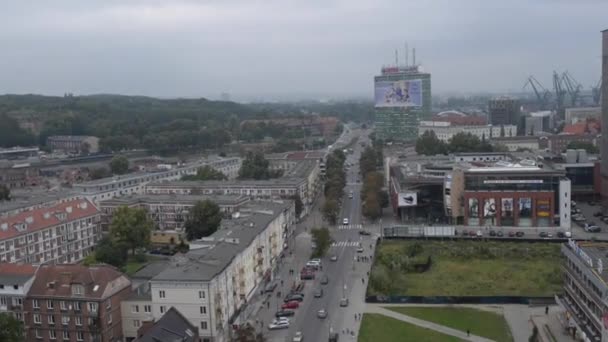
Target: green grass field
{"points": [[482, 323], [376, 327], [467, 268]]}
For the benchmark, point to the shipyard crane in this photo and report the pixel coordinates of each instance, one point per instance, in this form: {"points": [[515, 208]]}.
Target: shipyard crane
{"points": [[560, 93], [572, 86], [596, 92], [542, 95]]}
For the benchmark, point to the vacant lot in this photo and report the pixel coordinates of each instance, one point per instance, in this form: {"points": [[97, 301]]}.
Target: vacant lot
{"points": [[376, 327], [466, 268], [482, 323]]}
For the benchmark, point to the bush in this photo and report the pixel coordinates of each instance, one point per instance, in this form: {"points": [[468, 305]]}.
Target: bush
{"points": [[140, 257]]}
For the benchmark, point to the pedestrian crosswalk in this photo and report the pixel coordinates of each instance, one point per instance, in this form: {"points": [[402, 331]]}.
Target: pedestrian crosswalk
{"points": [[349, 226], [345, 244]]}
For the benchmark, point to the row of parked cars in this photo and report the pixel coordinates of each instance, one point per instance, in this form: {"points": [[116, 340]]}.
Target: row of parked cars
{"points": [[512, 233]]}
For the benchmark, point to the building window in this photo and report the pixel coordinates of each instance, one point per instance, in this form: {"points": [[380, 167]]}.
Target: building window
{"points": [[161, 294], [201, 294], [134, 308], [203, 310], [76, 306], [162, 309], [109, 303], [147, 308], [78, 320], [35, 304], [136, 323], [51, 319], [65, 320], [49, 304], [204, 325], [92, 307], [79, 336], [37, 332], [37, 319], [52, 335], [66, 335], [62, 305], [110, 318]]}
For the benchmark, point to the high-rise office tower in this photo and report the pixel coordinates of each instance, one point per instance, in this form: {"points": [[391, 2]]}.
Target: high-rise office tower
{"points": [[503, 111], [402, 97]]}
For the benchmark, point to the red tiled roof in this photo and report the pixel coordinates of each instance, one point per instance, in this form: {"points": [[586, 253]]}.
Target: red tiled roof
{"points": [[63, 276], [17, 269], [577, 128], [42, 218]]}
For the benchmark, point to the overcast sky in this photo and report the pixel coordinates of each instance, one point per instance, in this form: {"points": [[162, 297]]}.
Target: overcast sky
{"points": [[277, 48]]}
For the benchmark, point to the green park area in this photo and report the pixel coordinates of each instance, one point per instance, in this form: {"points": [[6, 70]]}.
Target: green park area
{"points": [[377, 327], [466, 268], [479, 322]]}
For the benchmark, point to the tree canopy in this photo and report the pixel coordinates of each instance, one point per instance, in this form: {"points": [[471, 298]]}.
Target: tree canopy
{"points": [[205, 173], [429, 144], [119, 165], [335, 181], [587, 146], [203, 220], [132, 227], [11, 134], [255, 166], [111, 252], [11, 329], [247, 333], [322, 239], [5, 193]]}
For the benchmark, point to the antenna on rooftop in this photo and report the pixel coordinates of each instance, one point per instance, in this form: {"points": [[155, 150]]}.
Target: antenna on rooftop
{"points": [[406, 55], [414, 56]]}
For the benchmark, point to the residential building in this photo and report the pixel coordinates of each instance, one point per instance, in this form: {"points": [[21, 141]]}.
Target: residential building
{"points": [[402, 99], [76, 303], [288, 160], [35, 198], [15, 282], [16, 174], [73, 143], [134, 183], [537, 122], [585, 291], [62, 233], [221, 273], [445, 130], [136, 311], [558, 143], [172, 326], [504, 111], [168, 211], [518, 143], [574, 115]]}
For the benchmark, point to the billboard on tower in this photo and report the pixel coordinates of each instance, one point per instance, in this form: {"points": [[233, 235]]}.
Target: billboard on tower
{"points": [[403, 93]]}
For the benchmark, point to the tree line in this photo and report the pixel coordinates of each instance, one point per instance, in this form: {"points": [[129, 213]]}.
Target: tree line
{"points": [[372, 193], [335, 181], [429, 144]]}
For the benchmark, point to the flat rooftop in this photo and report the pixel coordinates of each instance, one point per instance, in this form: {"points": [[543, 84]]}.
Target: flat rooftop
{"points": [[174, 198]]}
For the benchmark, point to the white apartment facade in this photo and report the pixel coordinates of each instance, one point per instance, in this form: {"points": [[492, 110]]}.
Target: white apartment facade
{"points": [[111, 187], [63, 233], [15, 282], [445, 130], [222, 273]]}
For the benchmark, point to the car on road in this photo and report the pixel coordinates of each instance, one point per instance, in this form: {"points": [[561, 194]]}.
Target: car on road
{"points": [[364, 232], [500, 233], [284, 313], [345, 220], [592, 228], [591, 203], [324, 280], [543, 234], [294, 296], [344, 302], [298, 337], [318, 293], [278, 325], [333, 258], [511, 234], [294, 304], [350, 195], [578, 218], [360, 249], [270, 287], [315, 265], [519, 234], [598, 214], [492, 233], [333, 337], [479, 234], [322, 313]]}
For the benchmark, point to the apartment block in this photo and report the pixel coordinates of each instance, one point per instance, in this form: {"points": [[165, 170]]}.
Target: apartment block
{"points": [[15, 282], [73, 143], [62, 233], [75, 303]]}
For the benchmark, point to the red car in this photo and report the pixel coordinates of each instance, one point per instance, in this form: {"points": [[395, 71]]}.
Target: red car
{"points": [[307, 276], [291, 305], [511, 234]]}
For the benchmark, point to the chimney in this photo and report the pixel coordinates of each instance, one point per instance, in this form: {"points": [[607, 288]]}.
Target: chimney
{"points": [[29, 219], [47, 215], [4, 227], [68, 209]]}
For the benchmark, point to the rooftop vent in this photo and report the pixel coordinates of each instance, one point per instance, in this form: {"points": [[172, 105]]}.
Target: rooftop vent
{"points": [[21, 226], [50, 285], [68, 209], [4, 226], [47, 215], [83, 205], [29, 219], [95, 288]]}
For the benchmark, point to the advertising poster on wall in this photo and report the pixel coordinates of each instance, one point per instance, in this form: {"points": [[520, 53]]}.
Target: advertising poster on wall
{"points": [[407, 199], [473, 211], [489, 210], [543, 212], [506, 212], [403, 93], [525, 212]]}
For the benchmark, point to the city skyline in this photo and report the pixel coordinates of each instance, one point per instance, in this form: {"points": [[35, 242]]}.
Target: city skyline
{"points": [[274, 50]]}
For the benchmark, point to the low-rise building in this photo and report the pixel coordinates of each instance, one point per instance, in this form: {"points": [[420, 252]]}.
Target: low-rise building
{"points": [[136, 312], [574, 115], [558, 143], [288, 160], [73, 143], [134, 183], [173, 326], [15, 174], [518, 143], [75, 303], [585, 290], [15, 282], [65, 232], [446, 130]]}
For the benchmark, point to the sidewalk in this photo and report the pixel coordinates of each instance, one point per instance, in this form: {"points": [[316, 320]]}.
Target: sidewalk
{"points": [[377, 309]]}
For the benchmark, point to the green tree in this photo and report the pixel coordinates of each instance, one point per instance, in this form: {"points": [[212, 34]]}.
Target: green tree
{"points": [[371, 206], [131, 227], [5, 193], [247, 333], [11, 329], [119, 165], [368, 160], [429, 144], [98, 173], [299, 205], [322, 239], [587, 146], [203, 220], [330, 210], [383, 198], [206, 173], [534, 336], [255, 166], [111, 252]]}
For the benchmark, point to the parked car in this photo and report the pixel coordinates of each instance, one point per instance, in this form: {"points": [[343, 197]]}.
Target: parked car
{"points": [[298, 337], [294, 304], [294, 296], [284, 313], [344, 302], [345, 221], [598, 214], [479, 234], [322, 313], [543, 234], [561, 235], [472, 233], [360, 250], [492, 233], [278, 325], [324, 280], [270, 287], [591, 228], [511, 234], [333, 258], [364, 232], [318, 293], [499, 233], [519, 234]]}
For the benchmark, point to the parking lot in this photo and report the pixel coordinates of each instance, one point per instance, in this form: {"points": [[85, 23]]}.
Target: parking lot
{"points": [[588, 210]]}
